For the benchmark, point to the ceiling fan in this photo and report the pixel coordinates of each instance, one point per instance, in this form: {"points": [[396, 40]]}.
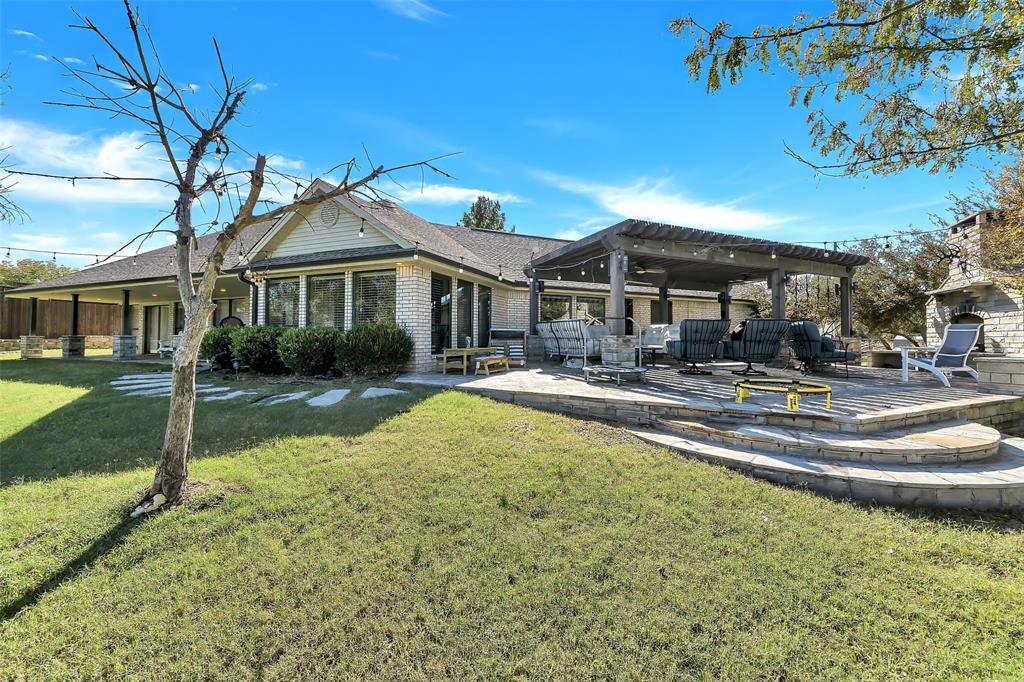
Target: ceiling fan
{"points": [[644, 270]]}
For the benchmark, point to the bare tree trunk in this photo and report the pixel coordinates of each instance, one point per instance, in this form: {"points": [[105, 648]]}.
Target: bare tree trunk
{"points": [[172, 469]]}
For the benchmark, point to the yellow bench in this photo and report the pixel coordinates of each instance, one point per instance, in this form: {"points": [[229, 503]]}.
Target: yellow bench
{"points": [[487, 363]]}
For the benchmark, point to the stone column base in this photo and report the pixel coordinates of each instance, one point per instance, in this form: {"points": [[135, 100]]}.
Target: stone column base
{"points": [[31, 347], [125, 347], [72, 346]]}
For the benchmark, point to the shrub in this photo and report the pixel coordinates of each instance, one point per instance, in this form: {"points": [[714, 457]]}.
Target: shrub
{"points": [[309, 350], [216, 346], [374, 348], [257, 348]]}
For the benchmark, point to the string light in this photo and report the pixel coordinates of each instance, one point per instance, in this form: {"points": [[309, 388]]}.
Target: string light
{"points": [[501, 275], [135, 261], [9, 252], [362, 224], [54, 259], [462, 262], [773, 254], [732, 254], [416, 253], [824, 245]]}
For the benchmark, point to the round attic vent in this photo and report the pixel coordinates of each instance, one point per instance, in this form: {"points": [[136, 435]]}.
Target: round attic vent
{"points": [[329, 213]]}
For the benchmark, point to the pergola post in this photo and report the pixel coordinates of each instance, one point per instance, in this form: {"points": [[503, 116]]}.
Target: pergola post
{"points": [[617, 265], [125, 345], [534, 302], [846, 306], [724, 299], [777, 284], [664, 305], [73, 345]]}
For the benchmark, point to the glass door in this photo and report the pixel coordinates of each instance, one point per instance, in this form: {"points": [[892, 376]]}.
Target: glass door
{"points": [[483, 316], [154, 325]]}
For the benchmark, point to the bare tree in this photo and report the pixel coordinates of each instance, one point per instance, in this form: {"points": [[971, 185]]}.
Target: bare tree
{"points": [[197, 155]]}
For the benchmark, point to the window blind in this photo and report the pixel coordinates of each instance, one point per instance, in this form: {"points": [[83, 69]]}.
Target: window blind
{"points": [[374, 296], [283, 302], [325, 301]]}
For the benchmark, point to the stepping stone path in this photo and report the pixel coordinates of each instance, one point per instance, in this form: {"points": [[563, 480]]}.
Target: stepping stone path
{"points": [[329, 398], [374, 392], [229, 396], [281, 398]]}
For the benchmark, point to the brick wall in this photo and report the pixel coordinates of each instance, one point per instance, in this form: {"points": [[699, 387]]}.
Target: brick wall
{"points": [[412, 294]]}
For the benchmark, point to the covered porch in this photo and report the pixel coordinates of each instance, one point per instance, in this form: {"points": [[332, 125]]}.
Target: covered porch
{"points": [[665, 257]]}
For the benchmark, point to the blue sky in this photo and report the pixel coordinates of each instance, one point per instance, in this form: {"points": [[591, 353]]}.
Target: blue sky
{"points": [[575, 115]]}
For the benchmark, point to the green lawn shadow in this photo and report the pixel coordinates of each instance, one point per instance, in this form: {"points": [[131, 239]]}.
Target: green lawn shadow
{"points": [[105, 431]]}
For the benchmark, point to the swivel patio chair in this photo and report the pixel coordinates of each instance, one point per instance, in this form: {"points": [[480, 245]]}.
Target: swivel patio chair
{"points": [[761, 342], [812, 349], [699, 341], [951, 356]]}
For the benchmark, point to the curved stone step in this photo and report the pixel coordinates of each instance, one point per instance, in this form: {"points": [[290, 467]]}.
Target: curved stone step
{"points": [[996, 483], [943, 443]]}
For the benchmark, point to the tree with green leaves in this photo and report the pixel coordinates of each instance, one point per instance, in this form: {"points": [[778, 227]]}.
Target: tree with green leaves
{"points": [[30, 271], [485, 214], [935, 79]]}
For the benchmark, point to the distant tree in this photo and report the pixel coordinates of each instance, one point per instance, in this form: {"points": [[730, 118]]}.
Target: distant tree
{"points": [[934, 79], [1002, 241], [29, 271], [485, 214]]}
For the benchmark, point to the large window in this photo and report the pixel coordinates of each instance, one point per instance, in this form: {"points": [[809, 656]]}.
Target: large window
{"points": [[483, 315], [590, 306], [283, 302], [555, 308], [374, 298], [440, 312], [464, 313], [325, 301]]}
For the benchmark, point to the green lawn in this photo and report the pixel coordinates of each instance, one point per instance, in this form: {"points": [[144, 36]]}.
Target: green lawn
{"points": [[442, 535], [52, 353]]}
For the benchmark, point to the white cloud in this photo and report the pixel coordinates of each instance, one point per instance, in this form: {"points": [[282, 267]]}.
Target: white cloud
{"points": [[448, 195], [646, 199], [565, 126], [191, 87], [261, 87], [34, 55], [23, 33], [412, 9], [100, 243], [72, 60], [39, 149], [281, 163]]}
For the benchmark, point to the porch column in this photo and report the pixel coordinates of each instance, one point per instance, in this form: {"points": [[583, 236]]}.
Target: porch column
{"points": [[846, 306], [724, 299], [534, 303], [777, 284], [32, 345], [174, 318], [617, 265], [664, 306], [125, 345], [74, 314], [73, 345], [254, 305]]}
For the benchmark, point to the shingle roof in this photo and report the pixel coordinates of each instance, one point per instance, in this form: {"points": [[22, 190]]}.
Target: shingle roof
{"points": [[149, 265]]}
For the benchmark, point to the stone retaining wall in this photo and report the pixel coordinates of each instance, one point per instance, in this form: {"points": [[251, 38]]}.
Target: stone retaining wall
{"points": [[1001, 375], [54, 344]]}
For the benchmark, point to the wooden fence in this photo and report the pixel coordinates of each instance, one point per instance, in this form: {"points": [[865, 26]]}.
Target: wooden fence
{"points": [[54, 318]]}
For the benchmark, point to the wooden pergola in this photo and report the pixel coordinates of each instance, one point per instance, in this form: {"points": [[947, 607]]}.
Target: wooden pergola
{"points": [[672, 257]]}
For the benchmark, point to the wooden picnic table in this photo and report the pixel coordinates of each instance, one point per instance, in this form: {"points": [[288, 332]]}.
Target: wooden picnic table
{"points": [[463, 356]]}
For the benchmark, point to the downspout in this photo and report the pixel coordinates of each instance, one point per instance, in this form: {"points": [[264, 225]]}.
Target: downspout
{"points": [[254, 310]]}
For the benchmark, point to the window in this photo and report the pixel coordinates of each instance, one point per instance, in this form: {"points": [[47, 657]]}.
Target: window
{"points": [[555, 308], [483, 315], [283, 302], [590, 306], [374, 298], [464, 309], [440, 312], [325, 301]]}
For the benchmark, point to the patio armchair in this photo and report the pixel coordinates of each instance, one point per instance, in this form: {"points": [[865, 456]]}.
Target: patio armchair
{"points": [[958, 341], [812, 349], [760, 342], [699, 341], [168, 346]]}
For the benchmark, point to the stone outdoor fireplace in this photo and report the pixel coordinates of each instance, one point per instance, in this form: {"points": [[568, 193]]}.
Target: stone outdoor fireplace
{"points": [[972, 294]]}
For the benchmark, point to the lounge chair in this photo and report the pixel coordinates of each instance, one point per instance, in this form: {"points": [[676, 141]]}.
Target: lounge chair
{"points": [[699, 341], [168, 346], [511, 343], [812, 349], [958, 341], [761, 342]]}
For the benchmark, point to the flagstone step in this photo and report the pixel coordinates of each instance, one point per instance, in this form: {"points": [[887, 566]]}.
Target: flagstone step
{"points": [[995, 483], [943, 443]]}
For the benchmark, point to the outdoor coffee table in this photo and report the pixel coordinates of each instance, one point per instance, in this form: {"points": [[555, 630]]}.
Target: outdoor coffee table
{"points": [[462, 356], [614, 371], [793, 388]]}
